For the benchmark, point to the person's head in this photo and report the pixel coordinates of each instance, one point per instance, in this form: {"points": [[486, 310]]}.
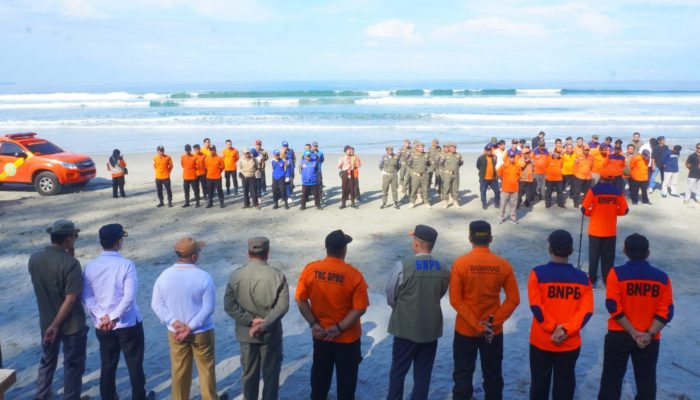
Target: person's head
{"points": [[389, 150], [254, 152], [608, 140], [653, 142], [579, 141], [557, 141], [337, 244], [569, 148], [160, 150], [514, 143], [112, 237], [229, 144], [259, 248], [307, 155], [212, 149], [258, 144], [541, 146], [407, 143], [480, 233], [314, 146], [188, 149], [586, 149], [116, 154], [677, 149], [487, 149], [207, 142], [522, 142], [276, 154], [646, 155], [636, 247], [661, 140], [636, 136], [352, 150], [541, 134], [347, 150], [285, 145], [424, 238], [630, 149], [569, 140], [526, 153], [618, 144], [511, 155], [196, 149], [449, 147], [307, 147], [247, 154], [420, 147], [501, 144], [561, 244], [187, 250], [603, 149], [595, 138], [63, 234], [435, 143]]}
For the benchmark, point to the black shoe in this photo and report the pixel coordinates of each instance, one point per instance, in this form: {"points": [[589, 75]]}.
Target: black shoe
{"points": [[562, 206], [396, 206], [160, 205], [484, 206], [276, 206], [115, 196], [246, 207], [123, 196], [634, 203], [286, 206], [302, 208], [197, 205], [382, 206], [151, 395], [548, 206], [221, 205], [185, 205], [319, 208], [342, 206], [170, 204], [209, 205], [647, 203], [228, 192]]}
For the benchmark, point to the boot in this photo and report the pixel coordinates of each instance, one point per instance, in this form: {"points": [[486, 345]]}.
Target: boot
{"points": [[228, 191], [187, 204], [160, 204], [396, 205], [276, 206], [170, 204], [383, 206], [286, 205]]}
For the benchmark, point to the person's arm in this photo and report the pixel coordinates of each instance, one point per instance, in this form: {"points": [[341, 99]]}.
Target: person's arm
{"points": [[582, 315], [52, 331], [280, 307], [664, 311], [511, 302], [305, 309], [381, 163], [170, 164], [500, 170], [88, 297], [207, 309], [350, 319], [392, 285], [340, 163], [131, 285], [587, 204], [458, 303], [160, 308], [538, 309], [109, 166], [622, 207]]}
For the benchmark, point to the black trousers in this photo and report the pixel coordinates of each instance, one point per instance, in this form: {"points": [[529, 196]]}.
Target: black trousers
{"points": [[231, 176], [164, 183], [202, 182], [356, 185], [563, 366], [581, 186], [635, 186], [194, 185], [528, 190], [279, 190], [552, 186], [348, 186], [345, 358], [422, 356], [619, 346], [600, 250], [619, 183], [128, 341], [465, 350], [306, 190], [118, 186], [250, 191], [569, 183], [212, 185]]}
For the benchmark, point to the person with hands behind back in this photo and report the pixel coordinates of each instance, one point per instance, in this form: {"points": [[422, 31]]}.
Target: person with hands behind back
{"points": [[561, 301], [332, 296], [639, 299]]}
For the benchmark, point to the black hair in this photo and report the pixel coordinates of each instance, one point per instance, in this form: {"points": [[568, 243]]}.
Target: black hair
{"points": [[500, 142], [259, 254], [637, 247], [228, 141], [559, 252], [677, 148], [59, 238], [336, 252], [108, 244]]}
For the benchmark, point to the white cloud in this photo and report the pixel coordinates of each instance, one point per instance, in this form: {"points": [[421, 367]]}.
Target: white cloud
{"points": [[394, 29], [79, 9], [599, 23], [580, 14], [492, 25]]}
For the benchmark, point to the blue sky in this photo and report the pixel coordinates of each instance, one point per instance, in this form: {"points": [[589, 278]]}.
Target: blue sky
{"points": [[83, 42]]}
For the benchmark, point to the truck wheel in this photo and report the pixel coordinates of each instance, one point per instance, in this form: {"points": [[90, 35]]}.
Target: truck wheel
{"points": [[46, 184]]}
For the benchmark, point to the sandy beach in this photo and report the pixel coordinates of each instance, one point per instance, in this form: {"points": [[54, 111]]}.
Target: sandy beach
{"points": [[297, 239]]}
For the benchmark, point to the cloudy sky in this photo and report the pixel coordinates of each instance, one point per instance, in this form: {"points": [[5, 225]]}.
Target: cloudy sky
{"points": [[84, 42]]}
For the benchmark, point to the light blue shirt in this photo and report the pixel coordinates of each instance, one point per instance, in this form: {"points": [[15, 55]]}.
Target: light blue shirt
{"points": [[185, 293], [109, 288]]}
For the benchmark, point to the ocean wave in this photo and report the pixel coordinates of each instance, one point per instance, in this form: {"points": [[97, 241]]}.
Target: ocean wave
{"points": [[536, 101], [564, 117], [78, 96]]}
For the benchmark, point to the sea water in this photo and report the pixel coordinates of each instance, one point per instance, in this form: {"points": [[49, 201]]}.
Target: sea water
{"points": [[365, 115]]}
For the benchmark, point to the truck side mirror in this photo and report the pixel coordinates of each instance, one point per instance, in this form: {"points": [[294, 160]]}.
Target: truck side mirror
{"points": [[21, 154]]}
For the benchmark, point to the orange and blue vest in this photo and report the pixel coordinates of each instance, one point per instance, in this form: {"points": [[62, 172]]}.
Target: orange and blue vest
{"points": [[603, 203], [641, 293]]}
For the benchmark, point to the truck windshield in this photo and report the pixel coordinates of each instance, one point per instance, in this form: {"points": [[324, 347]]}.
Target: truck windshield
{"points": [[44, 148]]}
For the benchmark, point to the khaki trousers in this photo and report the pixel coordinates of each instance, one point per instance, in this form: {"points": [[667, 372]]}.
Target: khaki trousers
{"points": [[265, 357], [450, 186], [201, 346]]}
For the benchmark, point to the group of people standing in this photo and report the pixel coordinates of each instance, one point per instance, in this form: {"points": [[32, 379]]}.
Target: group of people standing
{"points": [[332, 296]]}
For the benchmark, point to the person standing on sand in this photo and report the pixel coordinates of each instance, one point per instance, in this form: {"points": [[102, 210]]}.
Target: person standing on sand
{"points": [[346, 165], [693, 182], [639, 299], [583, 174], [332, 296], [189, 162], [205, 149], [248, 167], [58, 283], [510, 175], [526, 183], [476, 281], [540, 156], [183, 299], [230, 156], [201, 171], [488, 178], [561, 301], [110, 284], [257, 298], [554, 180], [279, 180], [264, 156], [419, 166], [449, 163], [434, 153], [309, 180], [389, 165], [603, 203], [404, 175], [215, 166], [356, 173], [639, 177], [163, 165], [117, 167], [413, 291]]}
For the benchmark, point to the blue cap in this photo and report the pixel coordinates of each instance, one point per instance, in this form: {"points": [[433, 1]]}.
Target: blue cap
{"points": [[511, 153], [276, 152], [252, 150], [285, 144], [306, 154]]}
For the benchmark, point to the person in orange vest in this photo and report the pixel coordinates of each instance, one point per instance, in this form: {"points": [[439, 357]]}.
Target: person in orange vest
{"points": [[541, 157], [215, 166], [163, 164], [603, 204], [600, 161], [639, 298], [117, 167], [578, 149], [188, 161], [561, 301], [206, 150], [201, 170], [231, 157], [616, 164], [554, 180], [583, 177], [567, 170], [526, 184], [476, 281], [639, 177], [509, 172]]}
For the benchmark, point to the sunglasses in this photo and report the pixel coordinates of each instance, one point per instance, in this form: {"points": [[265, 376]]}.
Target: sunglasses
{"points": [[75, 236]]}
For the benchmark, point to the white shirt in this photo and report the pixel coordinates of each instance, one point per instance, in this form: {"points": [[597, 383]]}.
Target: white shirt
{"points": [[109, 288], [185, 293], [646, 146], [500, 157]]}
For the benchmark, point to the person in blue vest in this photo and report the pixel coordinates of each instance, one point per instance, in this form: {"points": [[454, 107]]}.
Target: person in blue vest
{"points": [[288, 154], [309, 179], [670, 167], [279, 180], [320, 157]]}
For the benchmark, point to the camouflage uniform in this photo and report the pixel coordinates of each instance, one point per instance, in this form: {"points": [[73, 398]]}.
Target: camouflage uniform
{"points": [[449, 164], [434, 154], [404, 173], [420, 167], [389, 165]]}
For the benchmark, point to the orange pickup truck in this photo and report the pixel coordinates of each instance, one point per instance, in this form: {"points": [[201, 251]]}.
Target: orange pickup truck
{"points": [[27, 159]]}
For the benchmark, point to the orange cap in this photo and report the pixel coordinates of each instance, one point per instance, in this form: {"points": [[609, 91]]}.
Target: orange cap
{"points": [[187, 246]]}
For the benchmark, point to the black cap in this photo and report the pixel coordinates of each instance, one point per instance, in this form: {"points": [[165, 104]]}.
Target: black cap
{"points": [[160, 148], [636, 246], [337, 240], [661, 138], [480, 232], [111, 233], [425, 233], [618, 141], [561, 241], [212, 148], [188, 147]]}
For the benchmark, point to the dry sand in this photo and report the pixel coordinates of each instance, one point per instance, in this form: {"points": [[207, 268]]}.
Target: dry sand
{"points": [[296, 239]]}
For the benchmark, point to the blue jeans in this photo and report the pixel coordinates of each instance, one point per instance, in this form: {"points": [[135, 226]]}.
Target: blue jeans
{"points": [[652, 180], [493, 184], [73, 365]]}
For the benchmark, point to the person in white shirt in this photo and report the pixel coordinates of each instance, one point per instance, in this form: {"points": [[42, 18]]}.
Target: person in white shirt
{"points": [[183, 299], [109, 292]]}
